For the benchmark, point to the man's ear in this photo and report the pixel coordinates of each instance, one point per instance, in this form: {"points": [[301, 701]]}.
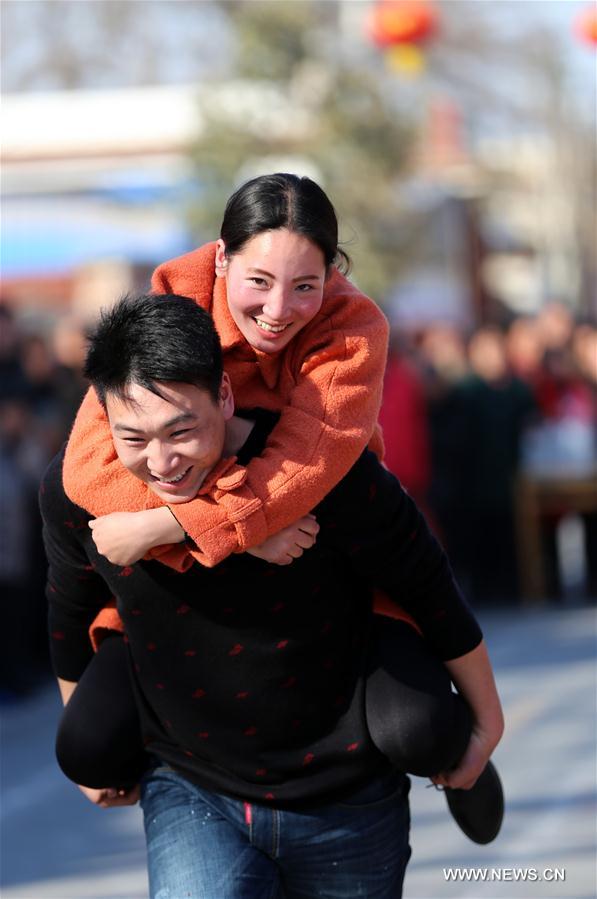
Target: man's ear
{"points": [[221, 259], [226, 398]]}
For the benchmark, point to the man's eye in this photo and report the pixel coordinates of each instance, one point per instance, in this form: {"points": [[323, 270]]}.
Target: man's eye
{"points": [[181, 432], [135, 441]]}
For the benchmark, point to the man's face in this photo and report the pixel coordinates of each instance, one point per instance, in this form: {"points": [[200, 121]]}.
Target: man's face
{"points": [[170, 442]]}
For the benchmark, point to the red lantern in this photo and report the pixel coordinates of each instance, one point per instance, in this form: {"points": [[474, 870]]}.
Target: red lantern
{"points": [[586, 26], [394, 22]]}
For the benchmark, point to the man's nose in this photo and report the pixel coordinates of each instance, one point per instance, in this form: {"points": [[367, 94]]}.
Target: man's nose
{"points": [[160, 458]]}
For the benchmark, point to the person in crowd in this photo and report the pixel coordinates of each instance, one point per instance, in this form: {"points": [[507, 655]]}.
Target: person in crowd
{"points": [[404, 422], [555, 324], [69, 347], [497, 407], [444, 366], [584, 350], [24, 455], [12, 377], [524, 349], [23, 644], [249, 678], [563, 442], [41, 374]]}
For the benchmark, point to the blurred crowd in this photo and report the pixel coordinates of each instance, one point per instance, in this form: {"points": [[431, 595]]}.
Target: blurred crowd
{"points": [[41, 386], [465, 416], [462, 416]]}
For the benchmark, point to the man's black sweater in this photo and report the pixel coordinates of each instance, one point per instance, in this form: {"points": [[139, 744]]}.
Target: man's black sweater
{"points": [[249, 676]]}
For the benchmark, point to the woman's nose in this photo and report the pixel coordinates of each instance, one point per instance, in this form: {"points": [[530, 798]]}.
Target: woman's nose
{"points": [[277, 305]]}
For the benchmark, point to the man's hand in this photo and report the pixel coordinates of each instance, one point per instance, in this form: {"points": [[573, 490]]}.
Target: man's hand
{"points": [[288, 544], [110, 797], [470, 767], [125, 537]]}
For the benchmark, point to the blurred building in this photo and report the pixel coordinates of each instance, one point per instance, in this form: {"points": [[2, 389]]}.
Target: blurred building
{"points": [[496, 228], [92, 188], [529, 223], [97, 183]]}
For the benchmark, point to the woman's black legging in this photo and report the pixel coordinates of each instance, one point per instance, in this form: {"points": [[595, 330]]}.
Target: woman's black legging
{"points": [[99, 742], [413, 715]]}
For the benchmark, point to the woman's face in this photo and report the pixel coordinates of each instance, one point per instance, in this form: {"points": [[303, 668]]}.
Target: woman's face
{"points": [[274, 285]]}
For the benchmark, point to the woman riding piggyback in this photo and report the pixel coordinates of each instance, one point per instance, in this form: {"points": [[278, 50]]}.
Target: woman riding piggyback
{"points": [[299, 339]]}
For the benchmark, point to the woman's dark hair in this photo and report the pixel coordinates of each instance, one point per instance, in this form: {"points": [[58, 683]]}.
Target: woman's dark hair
{"points": [[283, 201], [153, 337]]}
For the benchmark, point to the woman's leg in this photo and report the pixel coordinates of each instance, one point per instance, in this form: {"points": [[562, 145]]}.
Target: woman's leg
{"points": [[422, 726], [99, 741], [413, 715]]}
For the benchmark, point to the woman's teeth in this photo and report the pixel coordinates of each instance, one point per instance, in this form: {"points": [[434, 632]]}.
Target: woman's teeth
{"points": [[174, 480], [265, 326]]}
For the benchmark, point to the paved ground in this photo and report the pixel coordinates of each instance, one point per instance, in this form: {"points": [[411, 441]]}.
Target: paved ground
{"points": [[56, 845], [545, 666]]}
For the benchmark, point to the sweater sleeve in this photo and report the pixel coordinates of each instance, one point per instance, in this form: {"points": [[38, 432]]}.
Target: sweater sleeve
{"points": [[75, 592], [330, 417], [374, 523]]}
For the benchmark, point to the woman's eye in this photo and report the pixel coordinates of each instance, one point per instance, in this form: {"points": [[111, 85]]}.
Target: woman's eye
{"points": [[259, 282], [305, 288]]}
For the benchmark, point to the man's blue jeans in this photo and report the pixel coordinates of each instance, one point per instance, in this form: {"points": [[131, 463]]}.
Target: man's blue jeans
{"points": [[208, 846]]}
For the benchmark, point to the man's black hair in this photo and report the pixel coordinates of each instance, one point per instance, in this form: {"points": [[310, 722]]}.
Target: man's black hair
{"points": [[150, 338]]}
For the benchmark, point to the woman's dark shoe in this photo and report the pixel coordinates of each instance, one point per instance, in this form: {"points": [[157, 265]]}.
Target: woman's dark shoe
{"points": [[480, 810]]}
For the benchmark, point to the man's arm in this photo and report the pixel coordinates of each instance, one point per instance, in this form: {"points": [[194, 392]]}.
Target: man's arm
{"points": [[387, 542], [374, 523], [473, 676]]}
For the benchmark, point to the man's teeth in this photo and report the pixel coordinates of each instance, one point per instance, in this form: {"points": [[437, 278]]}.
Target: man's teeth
{"points": [[265, 326]]}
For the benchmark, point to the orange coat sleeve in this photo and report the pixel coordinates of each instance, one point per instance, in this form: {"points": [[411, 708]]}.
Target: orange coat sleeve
{"points": [[339, 360], [330, 418]]}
